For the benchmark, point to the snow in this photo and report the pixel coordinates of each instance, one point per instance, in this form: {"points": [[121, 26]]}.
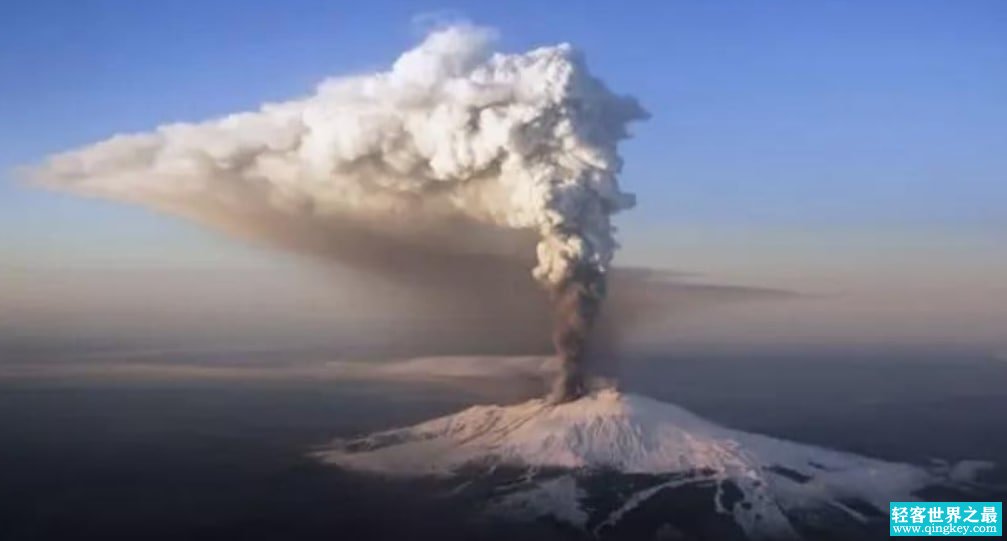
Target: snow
{"points": [[609, 430]]}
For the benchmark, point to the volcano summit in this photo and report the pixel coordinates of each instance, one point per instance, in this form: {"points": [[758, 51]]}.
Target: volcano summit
{"points": [[609, 459]]}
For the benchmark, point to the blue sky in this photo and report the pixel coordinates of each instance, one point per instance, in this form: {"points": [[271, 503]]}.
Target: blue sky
{"points": [[784, 135]]}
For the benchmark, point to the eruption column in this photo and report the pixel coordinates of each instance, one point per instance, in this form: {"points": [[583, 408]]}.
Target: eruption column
{"points": [[576, 301], [451, 132]]}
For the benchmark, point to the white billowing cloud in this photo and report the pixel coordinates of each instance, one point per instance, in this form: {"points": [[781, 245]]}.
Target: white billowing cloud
{"points": [[452, 131]]}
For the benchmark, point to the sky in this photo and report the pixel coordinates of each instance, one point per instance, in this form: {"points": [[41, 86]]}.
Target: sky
{"points": [[852, 152]]}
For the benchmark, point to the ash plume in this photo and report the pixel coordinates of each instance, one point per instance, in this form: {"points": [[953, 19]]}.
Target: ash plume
{"points": [[576, 301], [449, 151]]}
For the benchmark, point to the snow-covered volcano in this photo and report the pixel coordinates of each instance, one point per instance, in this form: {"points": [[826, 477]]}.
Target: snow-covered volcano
{"points": [[768, 486]]}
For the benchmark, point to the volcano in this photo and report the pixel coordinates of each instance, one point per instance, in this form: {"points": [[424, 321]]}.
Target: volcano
{"points": [[611, 458]]}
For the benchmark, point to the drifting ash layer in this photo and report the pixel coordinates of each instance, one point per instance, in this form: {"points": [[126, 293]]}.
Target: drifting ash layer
{"points": [[611, 432]]}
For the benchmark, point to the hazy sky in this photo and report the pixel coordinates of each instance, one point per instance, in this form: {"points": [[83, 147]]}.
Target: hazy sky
{"points": [[850, 151]]}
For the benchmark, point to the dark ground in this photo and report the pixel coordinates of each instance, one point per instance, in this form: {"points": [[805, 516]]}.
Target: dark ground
{"points": [[202, 460]]}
